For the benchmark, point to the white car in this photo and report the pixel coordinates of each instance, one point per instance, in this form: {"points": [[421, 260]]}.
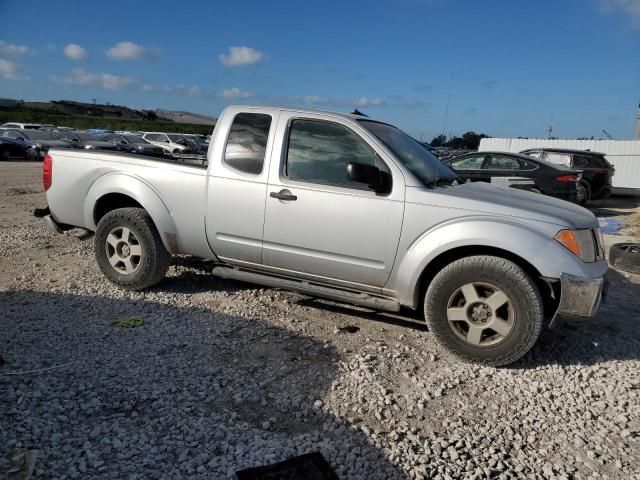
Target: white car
{"points": [[166, 141], [23, 126]]}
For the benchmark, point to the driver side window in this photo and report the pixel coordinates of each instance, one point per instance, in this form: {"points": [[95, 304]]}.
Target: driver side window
{"points": [[319, 152]]}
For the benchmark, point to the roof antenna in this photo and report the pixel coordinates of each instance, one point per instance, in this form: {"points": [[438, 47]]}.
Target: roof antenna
{"points": [[444, 127]]}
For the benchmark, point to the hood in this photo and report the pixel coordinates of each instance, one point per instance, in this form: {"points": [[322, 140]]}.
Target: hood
{"points": [[146, 146], [484, 198]]}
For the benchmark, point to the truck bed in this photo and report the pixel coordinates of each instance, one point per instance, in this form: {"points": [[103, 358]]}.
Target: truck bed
{"points": [[180, 185]]}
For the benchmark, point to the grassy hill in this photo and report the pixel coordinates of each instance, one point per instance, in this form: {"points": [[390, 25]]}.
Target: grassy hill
{"points": [[85, 115]]}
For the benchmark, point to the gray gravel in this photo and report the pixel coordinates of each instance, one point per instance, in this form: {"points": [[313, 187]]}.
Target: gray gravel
{"points": [[223, 376]]}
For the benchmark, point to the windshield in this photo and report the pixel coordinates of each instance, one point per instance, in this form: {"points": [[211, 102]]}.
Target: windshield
{"points": [[38, 135], [423, 164], [173, 137], [84, 136], [133, 139]]}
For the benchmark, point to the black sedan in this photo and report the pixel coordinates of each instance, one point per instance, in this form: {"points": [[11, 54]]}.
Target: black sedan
{"points": [[133, 144], [36, 143], [11, 148], [519, 171], [80, 139]]}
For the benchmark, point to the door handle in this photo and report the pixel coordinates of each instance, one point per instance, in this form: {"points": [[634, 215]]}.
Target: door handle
{"points": [[283, 195]]}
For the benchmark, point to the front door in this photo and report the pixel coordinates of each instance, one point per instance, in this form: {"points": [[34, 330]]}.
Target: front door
{"points": [[318, 222]]}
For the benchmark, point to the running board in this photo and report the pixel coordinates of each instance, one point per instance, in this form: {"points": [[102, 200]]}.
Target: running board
{"points": [[302, 286]]}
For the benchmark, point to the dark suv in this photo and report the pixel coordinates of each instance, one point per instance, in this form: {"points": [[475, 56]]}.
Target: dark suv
{"points": [[596, 170]]}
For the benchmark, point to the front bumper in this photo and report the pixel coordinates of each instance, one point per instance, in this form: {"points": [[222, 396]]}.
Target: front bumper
{"points": [[579, 297]]}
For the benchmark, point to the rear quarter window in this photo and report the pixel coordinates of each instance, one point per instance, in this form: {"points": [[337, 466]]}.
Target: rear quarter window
{"points": [[247, 142]]}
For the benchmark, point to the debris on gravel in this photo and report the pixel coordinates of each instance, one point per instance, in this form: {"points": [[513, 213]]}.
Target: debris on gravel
{"points": [[220, 376]]}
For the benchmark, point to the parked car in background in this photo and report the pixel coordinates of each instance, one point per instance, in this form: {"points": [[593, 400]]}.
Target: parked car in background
{"points": [[199, 143], [37, 142], [22, 126], [596, 170], [11, 148], [98, 131], [377, 222], [169, 143], [520, 171], [133, 144], [80, 139]]}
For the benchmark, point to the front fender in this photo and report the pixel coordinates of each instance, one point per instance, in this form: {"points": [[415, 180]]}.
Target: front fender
{"points": [[142, 192], [535, 245]]}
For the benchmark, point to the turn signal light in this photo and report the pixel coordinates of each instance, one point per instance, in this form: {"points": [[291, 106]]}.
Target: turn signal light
{"points": [[569, 239], [567, 178]]}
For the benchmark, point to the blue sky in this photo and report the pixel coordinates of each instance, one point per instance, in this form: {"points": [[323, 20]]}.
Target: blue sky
{"points": [[515, 64]]}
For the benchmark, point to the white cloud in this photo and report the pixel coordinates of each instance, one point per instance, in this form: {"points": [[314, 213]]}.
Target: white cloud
{"points": [[8, 69], [132, 51], [369, 102], [241, 56], [11, 71], [75, 52], [104, 80], [180, 89], [231, 93], [12, 50], [632, 7], [183, 89], [317, 100]]}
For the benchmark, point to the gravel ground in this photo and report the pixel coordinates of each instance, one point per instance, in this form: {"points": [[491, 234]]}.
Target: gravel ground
{"points": [[223, 376]]}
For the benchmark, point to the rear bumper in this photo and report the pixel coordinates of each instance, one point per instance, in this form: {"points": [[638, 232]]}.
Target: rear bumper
{"points": [[580, 297]]}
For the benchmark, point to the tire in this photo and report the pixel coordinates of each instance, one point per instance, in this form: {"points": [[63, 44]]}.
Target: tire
{"points": [[518, 321], [625, 256], [581, 194], [584, 192], [31, 155], [128, 237]]}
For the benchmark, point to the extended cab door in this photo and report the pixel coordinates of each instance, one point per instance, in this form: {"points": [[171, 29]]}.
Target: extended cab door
{"points": [[318, 223], [237, 185]]}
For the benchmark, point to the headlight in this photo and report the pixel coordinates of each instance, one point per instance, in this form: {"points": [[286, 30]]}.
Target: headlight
{"points": [[89, 147], [581, 243]]}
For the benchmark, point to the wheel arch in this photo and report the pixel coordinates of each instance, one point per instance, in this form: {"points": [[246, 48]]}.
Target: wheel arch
{"points": [[113, 191], [445, 258]]}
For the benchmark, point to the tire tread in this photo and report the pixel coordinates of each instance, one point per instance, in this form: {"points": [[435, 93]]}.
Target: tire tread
{"points": [[514, 273]]}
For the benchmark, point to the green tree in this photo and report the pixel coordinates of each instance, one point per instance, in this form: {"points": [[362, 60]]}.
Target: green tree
{"points": [[438, 141]]}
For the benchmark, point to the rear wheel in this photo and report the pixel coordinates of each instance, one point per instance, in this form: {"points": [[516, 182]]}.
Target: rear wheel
{"points": [[129, 249], [582, 193], [484, 309]]}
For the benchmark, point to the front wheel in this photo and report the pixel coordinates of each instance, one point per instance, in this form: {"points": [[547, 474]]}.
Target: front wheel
{"points": [[129, 249], [484, 309]]}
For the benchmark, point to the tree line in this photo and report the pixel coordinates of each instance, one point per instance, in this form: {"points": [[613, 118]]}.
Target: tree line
{"points": [[468, 141]]}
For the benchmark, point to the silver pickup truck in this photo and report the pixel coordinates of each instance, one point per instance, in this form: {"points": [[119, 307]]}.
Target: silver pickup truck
{"points": [[346, 208]]}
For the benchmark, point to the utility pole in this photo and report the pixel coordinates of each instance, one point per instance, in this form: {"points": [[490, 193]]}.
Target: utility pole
{"points": [[446, 109], [549, 129]]}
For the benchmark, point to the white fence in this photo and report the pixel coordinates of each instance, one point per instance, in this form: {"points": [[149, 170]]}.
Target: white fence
{"points": [[623, 154]]}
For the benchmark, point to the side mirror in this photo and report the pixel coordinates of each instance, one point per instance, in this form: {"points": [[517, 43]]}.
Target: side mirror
{"points": [[369, 175]]}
